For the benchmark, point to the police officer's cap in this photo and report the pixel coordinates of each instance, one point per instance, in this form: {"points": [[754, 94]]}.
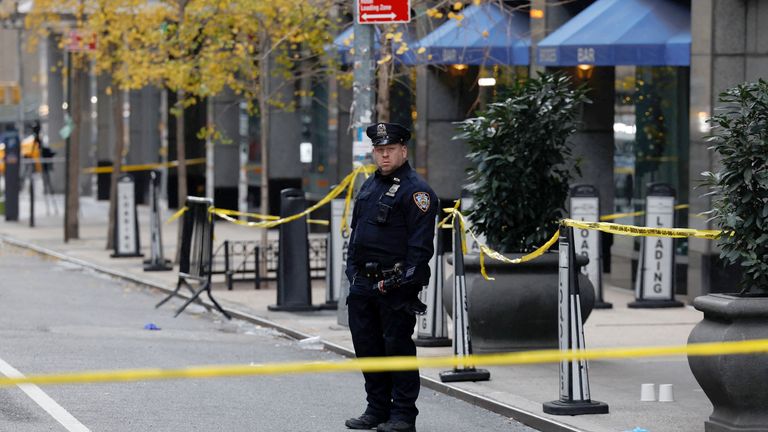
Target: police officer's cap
{"points": [[387, 133]]}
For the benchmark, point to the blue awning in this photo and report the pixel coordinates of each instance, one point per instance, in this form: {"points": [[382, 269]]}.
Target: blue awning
{"points": [[487, 34], [622, 32], [344, 44]]}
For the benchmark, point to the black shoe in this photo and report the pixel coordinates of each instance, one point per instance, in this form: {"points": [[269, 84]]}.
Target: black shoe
{"points": [[396, 426], [365, 421]]}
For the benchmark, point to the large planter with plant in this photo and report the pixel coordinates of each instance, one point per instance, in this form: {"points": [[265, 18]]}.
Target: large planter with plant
{"points": [[520, 176], [518, 310], [740, 209]]}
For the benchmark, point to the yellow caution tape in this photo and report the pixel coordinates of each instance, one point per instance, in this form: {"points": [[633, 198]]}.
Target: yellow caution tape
{"points": [[269, 221], [220, 211], [226, 215], [615, 216], [444, 223], [346, 184], [365, 170], [177, 214], [141, 167], [637, 231], [485, 250], [388, 364]]}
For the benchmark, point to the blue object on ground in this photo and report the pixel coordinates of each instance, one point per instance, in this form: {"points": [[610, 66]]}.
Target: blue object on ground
{"points": [[151, 326]]}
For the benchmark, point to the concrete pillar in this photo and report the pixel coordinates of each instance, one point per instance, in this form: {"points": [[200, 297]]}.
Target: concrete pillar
{"points": [[226, 155], [105, 135], [729, 44], [143, 136], [444, 96], [593, 143]]}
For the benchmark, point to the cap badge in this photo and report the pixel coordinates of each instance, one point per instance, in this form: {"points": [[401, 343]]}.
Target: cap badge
{"points": [[381, 130], [422, 201]]}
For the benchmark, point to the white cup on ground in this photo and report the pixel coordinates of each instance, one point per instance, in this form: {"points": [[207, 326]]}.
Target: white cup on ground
{"points": [[647, 392], [666, 393]]}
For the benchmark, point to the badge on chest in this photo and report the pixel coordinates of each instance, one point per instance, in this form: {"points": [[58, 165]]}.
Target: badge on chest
{"points": [[387, 201]]}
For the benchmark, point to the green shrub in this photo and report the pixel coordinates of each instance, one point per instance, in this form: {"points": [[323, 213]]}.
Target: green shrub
{"points": [[740, 187], [522, 165]]}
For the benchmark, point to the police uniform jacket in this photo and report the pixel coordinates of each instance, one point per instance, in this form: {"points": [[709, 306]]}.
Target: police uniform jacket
{"points": [[404, 235]]}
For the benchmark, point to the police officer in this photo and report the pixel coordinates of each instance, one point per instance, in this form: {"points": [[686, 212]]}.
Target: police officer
{"points": [[393, 226]]}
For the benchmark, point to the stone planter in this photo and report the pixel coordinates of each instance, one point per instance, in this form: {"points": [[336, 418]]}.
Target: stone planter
{"points": [[517, 311], [733, 383]]}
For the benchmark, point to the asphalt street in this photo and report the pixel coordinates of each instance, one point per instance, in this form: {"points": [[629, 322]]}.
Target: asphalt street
{"points": [[57, 317]]}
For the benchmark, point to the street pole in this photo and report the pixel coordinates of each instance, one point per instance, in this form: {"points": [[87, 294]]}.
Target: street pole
{"points": [[362, 90], [20, 112]]}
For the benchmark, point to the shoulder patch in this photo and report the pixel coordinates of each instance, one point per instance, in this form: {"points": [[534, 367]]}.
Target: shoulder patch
{"points": [[422, 201]]}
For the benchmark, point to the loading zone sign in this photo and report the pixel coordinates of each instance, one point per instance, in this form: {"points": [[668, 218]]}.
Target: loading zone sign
{"points": [[383, 11]]}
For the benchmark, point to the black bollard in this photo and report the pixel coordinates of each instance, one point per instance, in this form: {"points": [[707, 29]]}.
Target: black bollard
{"points": [[574, 374], [157, 261], [431, 328], [294, 290], [462, 343], [655, 279], [126, 233], [12, 175]]}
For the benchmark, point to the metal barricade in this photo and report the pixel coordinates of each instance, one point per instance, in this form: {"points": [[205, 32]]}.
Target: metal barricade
{"points": [[238, 260]]}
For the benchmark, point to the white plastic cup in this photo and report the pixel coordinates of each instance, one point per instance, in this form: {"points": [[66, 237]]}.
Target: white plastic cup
{"points": [[666, 393], [647, 392]]}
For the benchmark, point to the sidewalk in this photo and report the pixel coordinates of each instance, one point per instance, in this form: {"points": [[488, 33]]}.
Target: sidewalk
{"points": [[515, 391]]}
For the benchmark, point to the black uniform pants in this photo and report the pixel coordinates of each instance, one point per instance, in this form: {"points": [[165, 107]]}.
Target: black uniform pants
{"points": [[379, 329]]}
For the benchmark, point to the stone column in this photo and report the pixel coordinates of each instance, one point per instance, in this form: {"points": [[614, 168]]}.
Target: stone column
{"points": [[144, 136], [593, 143], [444, 95], [729, 44], [226, 108]]}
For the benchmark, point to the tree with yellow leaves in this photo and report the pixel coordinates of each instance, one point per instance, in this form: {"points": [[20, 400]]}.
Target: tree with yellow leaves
{"points": [[198, 48]]}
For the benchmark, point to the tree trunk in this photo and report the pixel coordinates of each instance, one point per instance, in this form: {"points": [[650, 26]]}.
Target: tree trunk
{"points": [[264, 143], [181, 170], [117, 163], [382, 90], [181, 150], [72, 205], [209, 147]]}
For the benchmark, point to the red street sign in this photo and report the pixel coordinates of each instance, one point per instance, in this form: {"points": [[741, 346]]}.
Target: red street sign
{"points": [[81, 41], [383, 11]]}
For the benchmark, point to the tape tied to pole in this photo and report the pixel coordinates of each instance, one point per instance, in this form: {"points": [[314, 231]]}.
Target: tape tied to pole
{"points": [[269, 221], [485, 250]]}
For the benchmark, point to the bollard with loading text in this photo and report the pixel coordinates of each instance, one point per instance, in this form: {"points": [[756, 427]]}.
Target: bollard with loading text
{"points": [[126, 233], [585, 206], [294, 290], [431, 328], [462, 343], [156, 261], [340, 247], [655, 279], [575, 398]]}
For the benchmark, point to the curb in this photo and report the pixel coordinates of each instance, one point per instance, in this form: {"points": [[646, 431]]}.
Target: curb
{"points": [[525, 417]]}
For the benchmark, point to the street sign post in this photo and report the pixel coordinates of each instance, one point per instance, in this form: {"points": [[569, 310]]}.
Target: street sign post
{"points": [[383, 11]]}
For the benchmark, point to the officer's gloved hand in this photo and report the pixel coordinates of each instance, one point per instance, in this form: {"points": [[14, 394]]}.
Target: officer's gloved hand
{"points": [[387, 284], [416, 307]]}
